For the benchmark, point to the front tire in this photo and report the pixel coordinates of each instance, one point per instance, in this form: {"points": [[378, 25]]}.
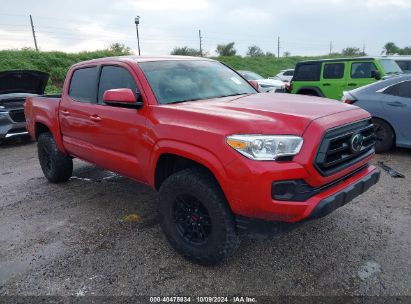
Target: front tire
{"points": [[384, 136], [57, 167], [195, 217]]}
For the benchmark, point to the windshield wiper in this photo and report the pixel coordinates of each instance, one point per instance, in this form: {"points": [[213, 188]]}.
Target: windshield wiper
{"points": [[232, 95], [185, 100], [194, 99]]}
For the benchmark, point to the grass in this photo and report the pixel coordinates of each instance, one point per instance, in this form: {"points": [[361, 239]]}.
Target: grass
{"points": [[57, 63]]}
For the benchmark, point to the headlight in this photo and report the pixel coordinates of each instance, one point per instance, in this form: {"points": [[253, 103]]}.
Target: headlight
{"points": [[265, 147]]}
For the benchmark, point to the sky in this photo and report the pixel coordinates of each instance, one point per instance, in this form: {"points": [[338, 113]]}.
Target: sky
{"points": [[304, 27]]}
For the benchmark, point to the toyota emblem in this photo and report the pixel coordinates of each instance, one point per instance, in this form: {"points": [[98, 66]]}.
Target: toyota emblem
{"points": [[357, 141]]}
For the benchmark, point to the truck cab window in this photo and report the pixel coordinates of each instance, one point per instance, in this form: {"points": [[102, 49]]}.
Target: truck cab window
{"points": [[115, 77], [83, 85]]}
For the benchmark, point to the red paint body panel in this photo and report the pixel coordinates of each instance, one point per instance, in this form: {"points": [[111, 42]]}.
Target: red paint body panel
{"points": [[130, 141]]}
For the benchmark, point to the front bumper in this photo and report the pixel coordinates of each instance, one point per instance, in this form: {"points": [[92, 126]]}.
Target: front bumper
{"points": [[342, 197], [10, 128], [249, 190], [263, 229]]}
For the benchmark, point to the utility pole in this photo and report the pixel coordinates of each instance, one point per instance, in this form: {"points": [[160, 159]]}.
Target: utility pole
{"points": [[201, 42], [137, 22], [34, 33], [331, 47], [363, 49], [278, 47]]}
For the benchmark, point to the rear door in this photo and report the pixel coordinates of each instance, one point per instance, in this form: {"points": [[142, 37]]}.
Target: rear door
{"points": [[119, 142], [76, 124], [333, 81], [397, 106], [361, 74]]}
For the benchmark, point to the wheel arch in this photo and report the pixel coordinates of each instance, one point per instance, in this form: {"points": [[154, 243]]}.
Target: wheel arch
{"points": [[169, 157], [316, 90], [388, 123], [41, 126]]}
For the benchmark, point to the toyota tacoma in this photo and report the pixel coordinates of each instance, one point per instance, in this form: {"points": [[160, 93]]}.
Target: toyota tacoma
{"points": [[220, 153]]}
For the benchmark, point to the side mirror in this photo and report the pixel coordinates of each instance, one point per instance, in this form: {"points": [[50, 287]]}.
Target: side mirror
{"points": [[255, 85], [124, 98], [376, 75]]}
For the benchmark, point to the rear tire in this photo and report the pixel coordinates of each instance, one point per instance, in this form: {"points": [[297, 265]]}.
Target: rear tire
{"points": [[385, 136], [196, 218], [57, 167]]}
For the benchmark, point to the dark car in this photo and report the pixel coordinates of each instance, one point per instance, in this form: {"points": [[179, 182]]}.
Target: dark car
{"points": [[389, 102], [15, 86]]}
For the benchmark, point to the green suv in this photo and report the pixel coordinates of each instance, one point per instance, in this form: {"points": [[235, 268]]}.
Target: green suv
{"points": [[330, 77]]}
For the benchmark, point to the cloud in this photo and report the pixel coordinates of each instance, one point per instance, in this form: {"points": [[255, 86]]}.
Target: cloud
{"points": [[179, 5]]}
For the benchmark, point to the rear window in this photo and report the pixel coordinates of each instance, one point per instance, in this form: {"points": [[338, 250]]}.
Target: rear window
{"points": [[402, 89], [307, 72], [83, 85], [288, 73], [333, 70], [405, 65]]}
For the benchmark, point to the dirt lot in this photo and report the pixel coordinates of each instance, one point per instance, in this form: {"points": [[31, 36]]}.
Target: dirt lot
{"points": [[73, 239]]}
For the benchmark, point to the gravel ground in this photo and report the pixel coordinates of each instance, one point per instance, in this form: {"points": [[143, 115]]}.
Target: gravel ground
{"points": [[75, 239]]}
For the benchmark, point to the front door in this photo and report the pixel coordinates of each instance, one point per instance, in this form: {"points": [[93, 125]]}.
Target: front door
{"points": [[361, 74], [119, 144]]}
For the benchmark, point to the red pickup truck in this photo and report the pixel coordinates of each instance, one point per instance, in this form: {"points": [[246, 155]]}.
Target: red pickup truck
{"points": [[220, 154]]}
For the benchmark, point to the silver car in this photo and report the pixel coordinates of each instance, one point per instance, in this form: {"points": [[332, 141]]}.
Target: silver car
{"points": [[389, 102], [15, 86]]}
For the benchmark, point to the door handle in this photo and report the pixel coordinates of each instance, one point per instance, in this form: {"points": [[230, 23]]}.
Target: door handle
{"points": [[95, 117], [352, 84], [326, 84], [64, 112], [396, 104]]}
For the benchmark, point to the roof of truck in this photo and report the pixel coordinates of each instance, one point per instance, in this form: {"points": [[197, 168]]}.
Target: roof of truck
{"points": [[137, 59]]}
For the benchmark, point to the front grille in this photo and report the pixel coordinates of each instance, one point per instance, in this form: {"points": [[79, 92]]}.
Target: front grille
{"points": [[337, 149], [17, 115]]}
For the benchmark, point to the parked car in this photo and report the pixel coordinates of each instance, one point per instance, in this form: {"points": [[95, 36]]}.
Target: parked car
{"points": [[284, 75], [222, 155], [330, 77], [404, 62], [15, 86], [389, 103], [266, 84]]}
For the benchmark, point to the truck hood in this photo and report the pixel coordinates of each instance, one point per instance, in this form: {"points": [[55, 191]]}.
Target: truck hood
{"points": [[263, 113], [23, 81]]}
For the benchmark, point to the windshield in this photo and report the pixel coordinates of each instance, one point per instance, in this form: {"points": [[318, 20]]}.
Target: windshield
{"points": [[178, 81], [390, 66], [250, 75]]}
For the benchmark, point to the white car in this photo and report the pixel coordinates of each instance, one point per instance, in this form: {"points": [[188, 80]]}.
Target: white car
{"points": [[284, 75], [265, 84]]}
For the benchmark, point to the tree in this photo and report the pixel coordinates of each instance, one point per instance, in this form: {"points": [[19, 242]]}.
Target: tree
{"points": [[269, 54], [226, 49], [351, 51], [390, 48], [287, 54], [120, 48], [185, 51], [255, 51], [406, 51]]}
